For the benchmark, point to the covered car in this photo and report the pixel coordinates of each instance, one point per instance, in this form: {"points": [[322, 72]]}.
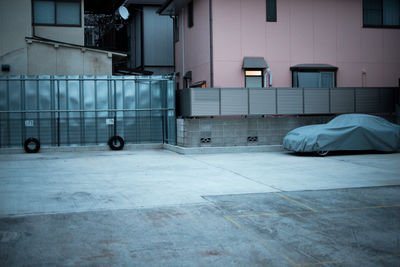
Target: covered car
{"points": [[346, 132]]}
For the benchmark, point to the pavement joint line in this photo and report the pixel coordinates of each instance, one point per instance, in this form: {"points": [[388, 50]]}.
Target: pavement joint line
{"points": [[348, 260], [295, 201], [231, 171], [262, 241], [310, 212]]}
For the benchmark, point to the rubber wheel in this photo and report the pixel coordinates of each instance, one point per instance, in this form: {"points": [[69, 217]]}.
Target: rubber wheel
{"points": [[116, 143], [31, 145]]}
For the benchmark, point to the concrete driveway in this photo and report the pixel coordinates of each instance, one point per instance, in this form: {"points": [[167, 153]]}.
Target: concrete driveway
{"points": [[156, 207]]}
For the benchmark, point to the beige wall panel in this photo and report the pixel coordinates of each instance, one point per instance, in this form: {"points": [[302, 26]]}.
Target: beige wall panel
{"points": [[42, 59], [15, 24], [17, 60], [69, 61], [72, 35], [96, 63]]}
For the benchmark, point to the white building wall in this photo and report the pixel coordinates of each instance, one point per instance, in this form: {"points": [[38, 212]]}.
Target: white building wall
{"points": [[48, 59], [27, 57], [15, 24]]}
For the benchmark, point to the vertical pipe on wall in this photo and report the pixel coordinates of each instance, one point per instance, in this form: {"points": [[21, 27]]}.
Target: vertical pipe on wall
{"points": [[58, 113], [67, 105], [23, 134], [211, 46], [183, 43], [363, 77], [82, 107], [115, 107], [96, 113], [38, 106]]}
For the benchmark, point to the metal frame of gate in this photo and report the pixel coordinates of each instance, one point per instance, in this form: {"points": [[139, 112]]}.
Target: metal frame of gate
{"points": [[86, 110]]}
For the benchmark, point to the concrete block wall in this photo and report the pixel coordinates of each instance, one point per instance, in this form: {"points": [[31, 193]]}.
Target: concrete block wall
{"points": [[246, 131]]}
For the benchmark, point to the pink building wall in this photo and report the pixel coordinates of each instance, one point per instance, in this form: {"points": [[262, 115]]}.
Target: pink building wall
{"points": [[306, 31], [196, 44]]}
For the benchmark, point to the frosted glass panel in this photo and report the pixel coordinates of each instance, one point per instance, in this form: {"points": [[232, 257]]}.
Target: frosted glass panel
{"points": [[44, 12], [327, 79], [309, 79], [253, 82], [372, 12], [391, 12], [68, 13]]}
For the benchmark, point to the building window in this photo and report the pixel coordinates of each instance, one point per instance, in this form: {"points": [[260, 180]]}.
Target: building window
{"points": [[253, 78], [176, 29], [271, 10], [57, 12], [314, 75], [323, 79], [381, 13], [190, 14]]}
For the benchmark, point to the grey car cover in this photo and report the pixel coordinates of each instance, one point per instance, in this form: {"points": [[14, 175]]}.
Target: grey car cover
{"points": [[345, 132]]}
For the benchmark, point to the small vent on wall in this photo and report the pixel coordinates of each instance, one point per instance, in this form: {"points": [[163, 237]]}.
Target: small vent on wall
{"points": [[252, 139], [205, 140]]}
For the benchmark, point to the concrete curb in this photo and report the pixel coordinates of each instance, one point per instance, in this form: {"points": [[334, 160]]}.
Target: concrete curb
{"points": [[82, 148], [133, 147], [215, 150]]}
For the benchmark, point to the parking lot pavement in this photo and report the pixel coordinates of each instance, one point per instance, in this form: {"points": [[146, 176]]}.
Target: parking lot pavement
{"points": [[156, 207], [88, 181], [305, 228]]}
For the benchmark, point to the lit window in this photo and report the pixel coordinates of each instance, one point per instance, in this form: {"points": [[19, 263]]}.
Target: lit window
{"points": [[381, 13], [57, 12]]}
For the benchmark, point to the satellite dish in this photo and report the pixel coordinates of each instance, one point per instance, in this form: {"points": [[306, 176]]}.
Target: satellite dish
{"points": [[123, 12]]}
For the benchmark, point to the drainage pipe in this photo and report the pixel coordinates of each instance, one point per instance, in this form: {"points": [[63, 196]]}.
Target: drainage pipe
{"points": [[269, 75], [183, 43]]}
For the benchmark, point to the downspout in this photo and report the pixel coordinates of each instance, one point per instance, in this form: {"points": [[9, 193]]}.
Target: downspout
{"points": [[173, 23], [141, 40], [183, 44], [269, 75], [363, 77], [211, 46]]}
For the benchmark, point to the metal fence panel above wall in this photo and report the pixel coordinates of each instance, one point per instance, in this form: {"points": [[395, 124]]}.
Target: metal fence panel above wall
{"points": [[367, 100], [82, 110], [290, 101], [316, 100], [234, 101], [262, 101], [207, 101], [342, 100], [196, 102]]}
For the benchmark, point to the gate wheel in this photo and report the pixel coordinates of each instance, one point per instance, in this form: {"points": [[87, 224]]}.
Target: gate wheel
{"points": [[116, 143], [31, 145]]}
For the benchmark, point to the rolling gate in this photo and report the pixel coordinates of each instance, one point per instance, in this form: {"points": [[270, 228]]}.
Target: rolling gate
{"points": [[86, 110]]}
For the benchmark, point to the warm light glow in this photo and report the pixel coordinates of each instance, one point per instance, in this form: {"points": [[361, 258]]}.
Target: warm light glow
{"points": [[253, 73]]}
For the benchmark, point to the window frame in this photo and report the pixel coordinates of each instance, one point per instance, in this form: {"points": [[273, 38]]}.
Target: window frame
{"points": [[262, 77], [313, 71], [381, 25], [267, 6], [55, 24]]}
